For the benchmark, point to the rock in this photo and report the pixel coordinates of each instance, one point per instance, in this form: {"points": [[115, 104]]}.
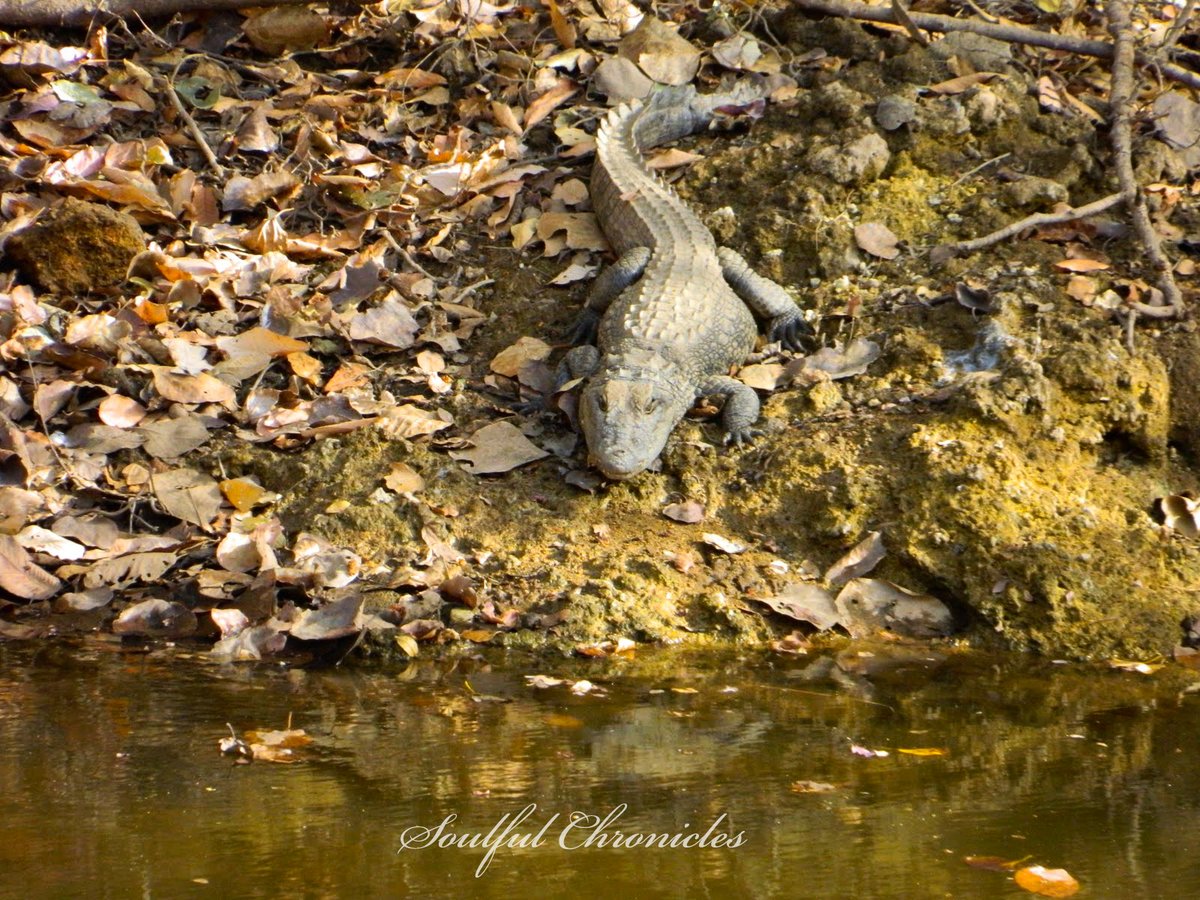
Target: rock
{"points": [[894, 112], [77, 247], [856, 163], [983, 53], [1032, 192]]}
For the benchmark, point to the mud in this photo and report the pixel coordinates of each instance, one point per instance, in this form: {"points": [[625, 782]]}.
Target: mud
{"points": [[1010, 459]]}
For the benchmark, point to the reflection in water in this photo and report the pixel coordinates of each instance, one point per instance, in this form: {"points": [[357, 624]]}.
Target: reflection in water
{"points": [[111, 784]]}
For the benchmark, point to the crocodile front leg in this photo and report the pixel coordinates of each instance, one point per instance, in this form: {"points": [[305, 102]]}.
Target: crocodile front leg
{"points": [[578, 362], [741, 407], [607, 287], [766, 298]]}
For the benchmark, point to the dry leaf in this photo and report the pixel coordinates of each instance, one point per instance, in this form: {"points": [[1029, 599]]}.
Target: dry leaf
{"points": [[860, 560], [188, 495], [689, 512], [499, 447], [1081, 265], [20, 576], [722, 543], [404, 479], [1047, 882], [508, 362], [877, 239]]}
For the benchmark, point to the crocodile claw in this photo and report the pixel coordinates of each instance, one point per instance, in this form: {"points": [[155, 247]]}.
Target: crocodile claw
{"points": [[587, 326], [740, 437], [789, 329]]}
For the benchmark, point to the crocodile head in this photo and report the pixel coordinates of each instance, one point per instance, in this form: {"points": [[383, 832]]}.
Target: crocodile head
{"points": [[627, 420]]}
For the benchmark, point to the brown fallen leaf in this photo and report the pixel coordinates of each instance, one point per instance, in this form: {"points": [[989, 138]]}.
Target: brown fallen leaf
{"points": [[877, 239], [688, 511], [21, 576], [339, 618], [803, 602], [404, 479], [202, 388], [188, 495], [1082, 265], [156, 618], [859, 560], [499, 447], [961, 83], [508, 361], [1046, 882]]}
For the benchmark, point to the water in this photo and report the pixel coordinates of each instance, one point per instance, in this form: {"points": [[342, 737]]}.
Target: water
{"points": [[112, 785]]}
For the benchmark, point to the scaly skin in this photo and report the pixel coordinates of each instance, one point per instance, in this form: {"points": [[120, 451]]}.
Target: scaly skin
{"points": [[675, 313]]}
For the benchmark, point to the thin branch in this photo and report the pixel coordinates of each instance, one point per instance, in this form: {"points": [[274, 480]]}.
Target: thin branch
{"points": [[1004, 31], [193, 128], [1178, 26], [1038, 219], [1121, 103]]}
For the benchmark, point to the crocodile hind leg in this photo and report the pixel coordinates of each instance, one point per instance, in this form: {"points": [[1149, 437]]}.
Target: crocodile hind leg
{"points": [[607, 287], [766, 298], [741, 407]]}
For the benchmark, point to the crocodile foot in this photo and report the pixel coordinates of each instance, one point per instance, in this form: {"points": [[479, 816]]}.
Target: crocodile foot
{"points": [[789, 329]]}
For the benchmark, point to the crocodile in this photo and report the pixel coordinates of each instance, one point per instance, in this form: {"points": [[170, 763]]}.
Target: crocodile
{"points": [[667, 321]]}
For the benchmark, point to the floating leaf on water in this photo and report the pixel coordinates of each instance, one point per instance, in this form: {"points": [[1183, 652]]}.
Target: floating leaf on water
{"points": [[923, 751], [993, 863], [859, 560], [1133, 665], [1047, 882], [859, 750], [542, 682], [811, 787]]}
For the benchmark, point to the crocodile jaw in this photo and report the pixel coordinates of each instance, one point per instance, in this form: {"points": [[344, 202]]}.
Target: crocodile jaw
{"points": [[626, 424]]}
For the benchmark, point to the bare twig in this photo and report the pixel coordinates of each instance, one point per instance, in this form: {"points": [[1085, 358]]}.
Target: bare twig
{"points": [[1038, 219], [1178, 26], [193, 128], [1121, 103], [982, 13], [979, 168], [1003, 31]]}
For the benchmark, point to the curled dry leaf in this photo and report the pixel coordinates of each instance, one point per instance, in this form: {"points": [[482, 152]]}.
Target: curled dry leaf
{"points": [[859, 560], [762, 376], [21, 576], [1180, 513], [658, 50], [724, 544], [120, 412], [839, 363]]}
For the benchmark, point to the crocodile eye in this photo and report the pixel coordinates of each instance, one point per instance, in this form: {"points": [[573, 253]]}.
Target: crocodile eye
{"points": [[652, 404], [603, 403]]}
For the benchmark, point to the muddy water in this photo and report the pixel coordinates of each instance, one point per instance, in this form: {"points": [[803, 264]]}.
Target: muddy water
{"points": [[112, 785]]}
